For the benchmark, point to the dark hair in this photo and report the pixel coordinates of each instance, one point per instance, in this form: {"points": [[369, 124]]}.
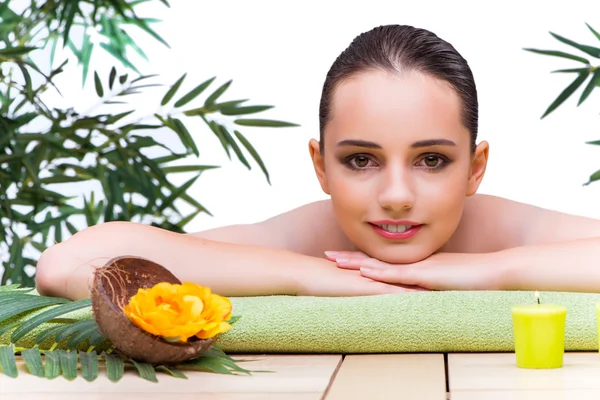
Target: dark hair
{"points": [[400, 47]]}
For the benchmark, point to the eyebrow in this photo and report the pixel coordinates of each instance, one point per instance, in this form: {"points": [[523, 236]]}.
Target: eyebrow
{"points": [[420, 143]]}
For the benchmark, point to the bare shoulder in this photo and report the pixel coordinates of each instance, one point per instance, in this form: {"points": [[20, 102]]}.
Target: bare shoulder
{"points": [[310, 229], [492, 223]]}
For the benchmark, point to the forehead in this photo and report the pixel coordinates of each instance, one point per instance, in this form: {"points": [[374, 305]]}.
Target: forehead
{"points": [[395, 107]]}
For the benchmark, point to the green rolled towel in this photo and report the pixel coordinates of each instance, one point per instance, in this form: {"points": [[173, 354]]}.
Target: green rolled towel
{"points": [[450, 321]]}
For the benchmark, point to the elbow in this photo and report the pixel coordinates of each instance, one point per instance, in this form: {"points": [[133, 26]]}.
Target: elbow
{"points": [[49, 276]]}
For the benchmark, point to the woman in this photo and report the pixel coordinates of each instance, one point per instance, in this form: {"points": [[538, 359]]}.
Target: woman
{"points": [[399, 158]]}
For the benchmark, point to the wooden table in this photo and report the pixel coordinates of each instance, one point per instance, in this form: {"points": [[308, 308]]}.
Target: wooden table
{"points": [[474, 376]]}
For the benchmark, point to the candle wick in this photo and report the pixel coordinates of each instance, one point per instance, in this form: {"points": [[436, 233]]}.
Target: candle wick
{"points": [[538, 300]]}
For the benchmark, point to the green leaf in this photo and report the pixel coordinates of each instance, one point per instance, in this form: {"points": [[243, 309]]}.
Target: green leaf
{"points": [[592, 51], [559, 54], [234, 319], [115, 367], [89, 365], [264, 123], [184, 135], [68, 363], [565, 94], [52, 364], [210, 100], [20, 303], [593, 31], [111, 77], [172, 90], [168, 202], [47, 315], [595, 81], [572, 70], [244, 110], [145, 370], [33, 361], [171, 371], [194, 93], [48, 333], [234, 146], [188, 168], [141, 23], [98, 84], [253, 153], [16, 52], [8, 363]]}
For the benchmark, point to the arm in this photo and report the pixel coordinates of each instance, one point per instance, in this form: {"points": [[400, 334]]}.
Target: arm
{"points": [[229, 269], [515, 247]]}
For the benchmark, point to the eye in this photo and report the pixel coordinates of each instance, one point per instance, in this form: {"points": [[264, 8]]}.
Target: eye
{"points": [[359, 162], [433, 161]]}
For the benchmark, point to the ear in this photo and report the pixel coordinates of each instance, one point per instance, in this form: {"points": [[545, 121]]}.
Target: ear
{"points": [[318, 163], [478, 164]]}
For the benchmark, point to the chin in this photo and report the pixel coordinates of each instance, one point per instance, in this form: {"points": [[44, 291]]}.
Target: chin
{"points": [[400, 254]]}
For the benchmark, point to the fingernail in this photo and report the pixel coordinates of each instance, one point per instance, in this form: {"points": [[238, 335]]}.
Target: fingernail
{"points": [[331, 254], [341, 261], [366, 270]]}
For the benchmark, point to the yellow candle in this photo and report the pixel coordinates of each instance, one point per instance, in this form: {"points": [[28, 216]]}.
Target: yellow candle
{"points": [[539, 331], [598, 322]]}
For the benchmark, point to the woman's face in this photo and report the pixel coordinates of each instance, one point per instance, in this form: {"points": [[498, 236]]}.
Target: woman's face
{"points": [[397, 163]]}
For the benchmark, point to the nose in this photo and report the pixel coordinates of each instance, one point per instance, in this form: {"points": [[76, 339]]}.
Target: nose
{"points": [[397, 190]]}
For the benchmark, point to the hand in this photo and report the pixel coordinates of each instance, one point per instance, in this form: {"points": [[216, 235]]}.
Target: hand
{"points": [[325, 279], [442, 271]]}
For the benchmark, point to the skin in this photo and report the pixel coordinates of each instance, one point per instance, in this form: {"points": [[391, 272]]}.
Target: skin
{"points": [[467, 241], [411, 161]]}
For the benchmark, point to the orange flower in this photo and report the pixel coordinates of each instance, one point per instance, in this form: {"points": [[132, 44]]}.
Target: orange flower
{"points": [[178, 312]]}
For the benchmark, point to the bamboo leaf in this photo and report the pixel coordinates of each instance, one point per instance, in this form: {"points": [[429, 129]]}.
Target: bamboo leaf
{"points": [[8, 363], [210, 100], [244, 110], [68, 363], [145, 370], [15, 52], [194, 93], [98, 84], [253, 153], [184, 136], [264, 123], [89, 365], [171, 92], [593, 178], [168, 202], [590, 86], [566, 93], [188, 168], [47, 315], [52, 369], [592, 51], [560, 54], [33, 361], [111, 77], [115, 367], [48, 333], [38, 246], [72, 328], [234, 146]]}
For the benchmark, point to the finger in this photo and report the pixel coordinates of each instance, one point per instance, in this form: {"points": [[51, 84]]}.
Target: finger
{"points": [[358, 263], [398, 275], [345, 255]]}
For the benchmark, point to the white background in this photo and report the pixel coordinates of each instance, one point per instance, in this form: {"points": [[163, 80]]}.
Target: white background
{"points": [[278, 53]]}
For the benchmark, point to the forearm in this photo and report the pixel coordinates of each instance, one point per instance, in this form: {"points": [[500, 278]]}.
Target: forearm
{"points": [[567, 266], [229, 269]]}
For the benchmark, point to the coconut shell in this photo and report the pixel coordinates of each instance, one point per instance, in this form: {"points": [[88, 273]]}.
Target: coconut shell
{"points": [[113, 285]]}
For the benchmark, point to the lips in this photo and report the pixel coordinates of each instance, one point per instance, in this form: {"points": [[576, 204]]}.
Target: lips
{"points": [[397, 230]]}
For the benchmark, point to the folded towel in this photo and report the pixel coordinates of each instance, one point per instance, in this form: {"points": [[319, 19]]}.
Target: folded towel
{"points": [[449, 321]]}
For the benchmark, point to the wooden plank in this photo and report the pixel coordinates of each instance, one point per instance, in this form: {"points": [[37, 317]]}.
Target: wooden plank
{"points": [[292, 377], [386, 376], [494, 375], [571, 394]]}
